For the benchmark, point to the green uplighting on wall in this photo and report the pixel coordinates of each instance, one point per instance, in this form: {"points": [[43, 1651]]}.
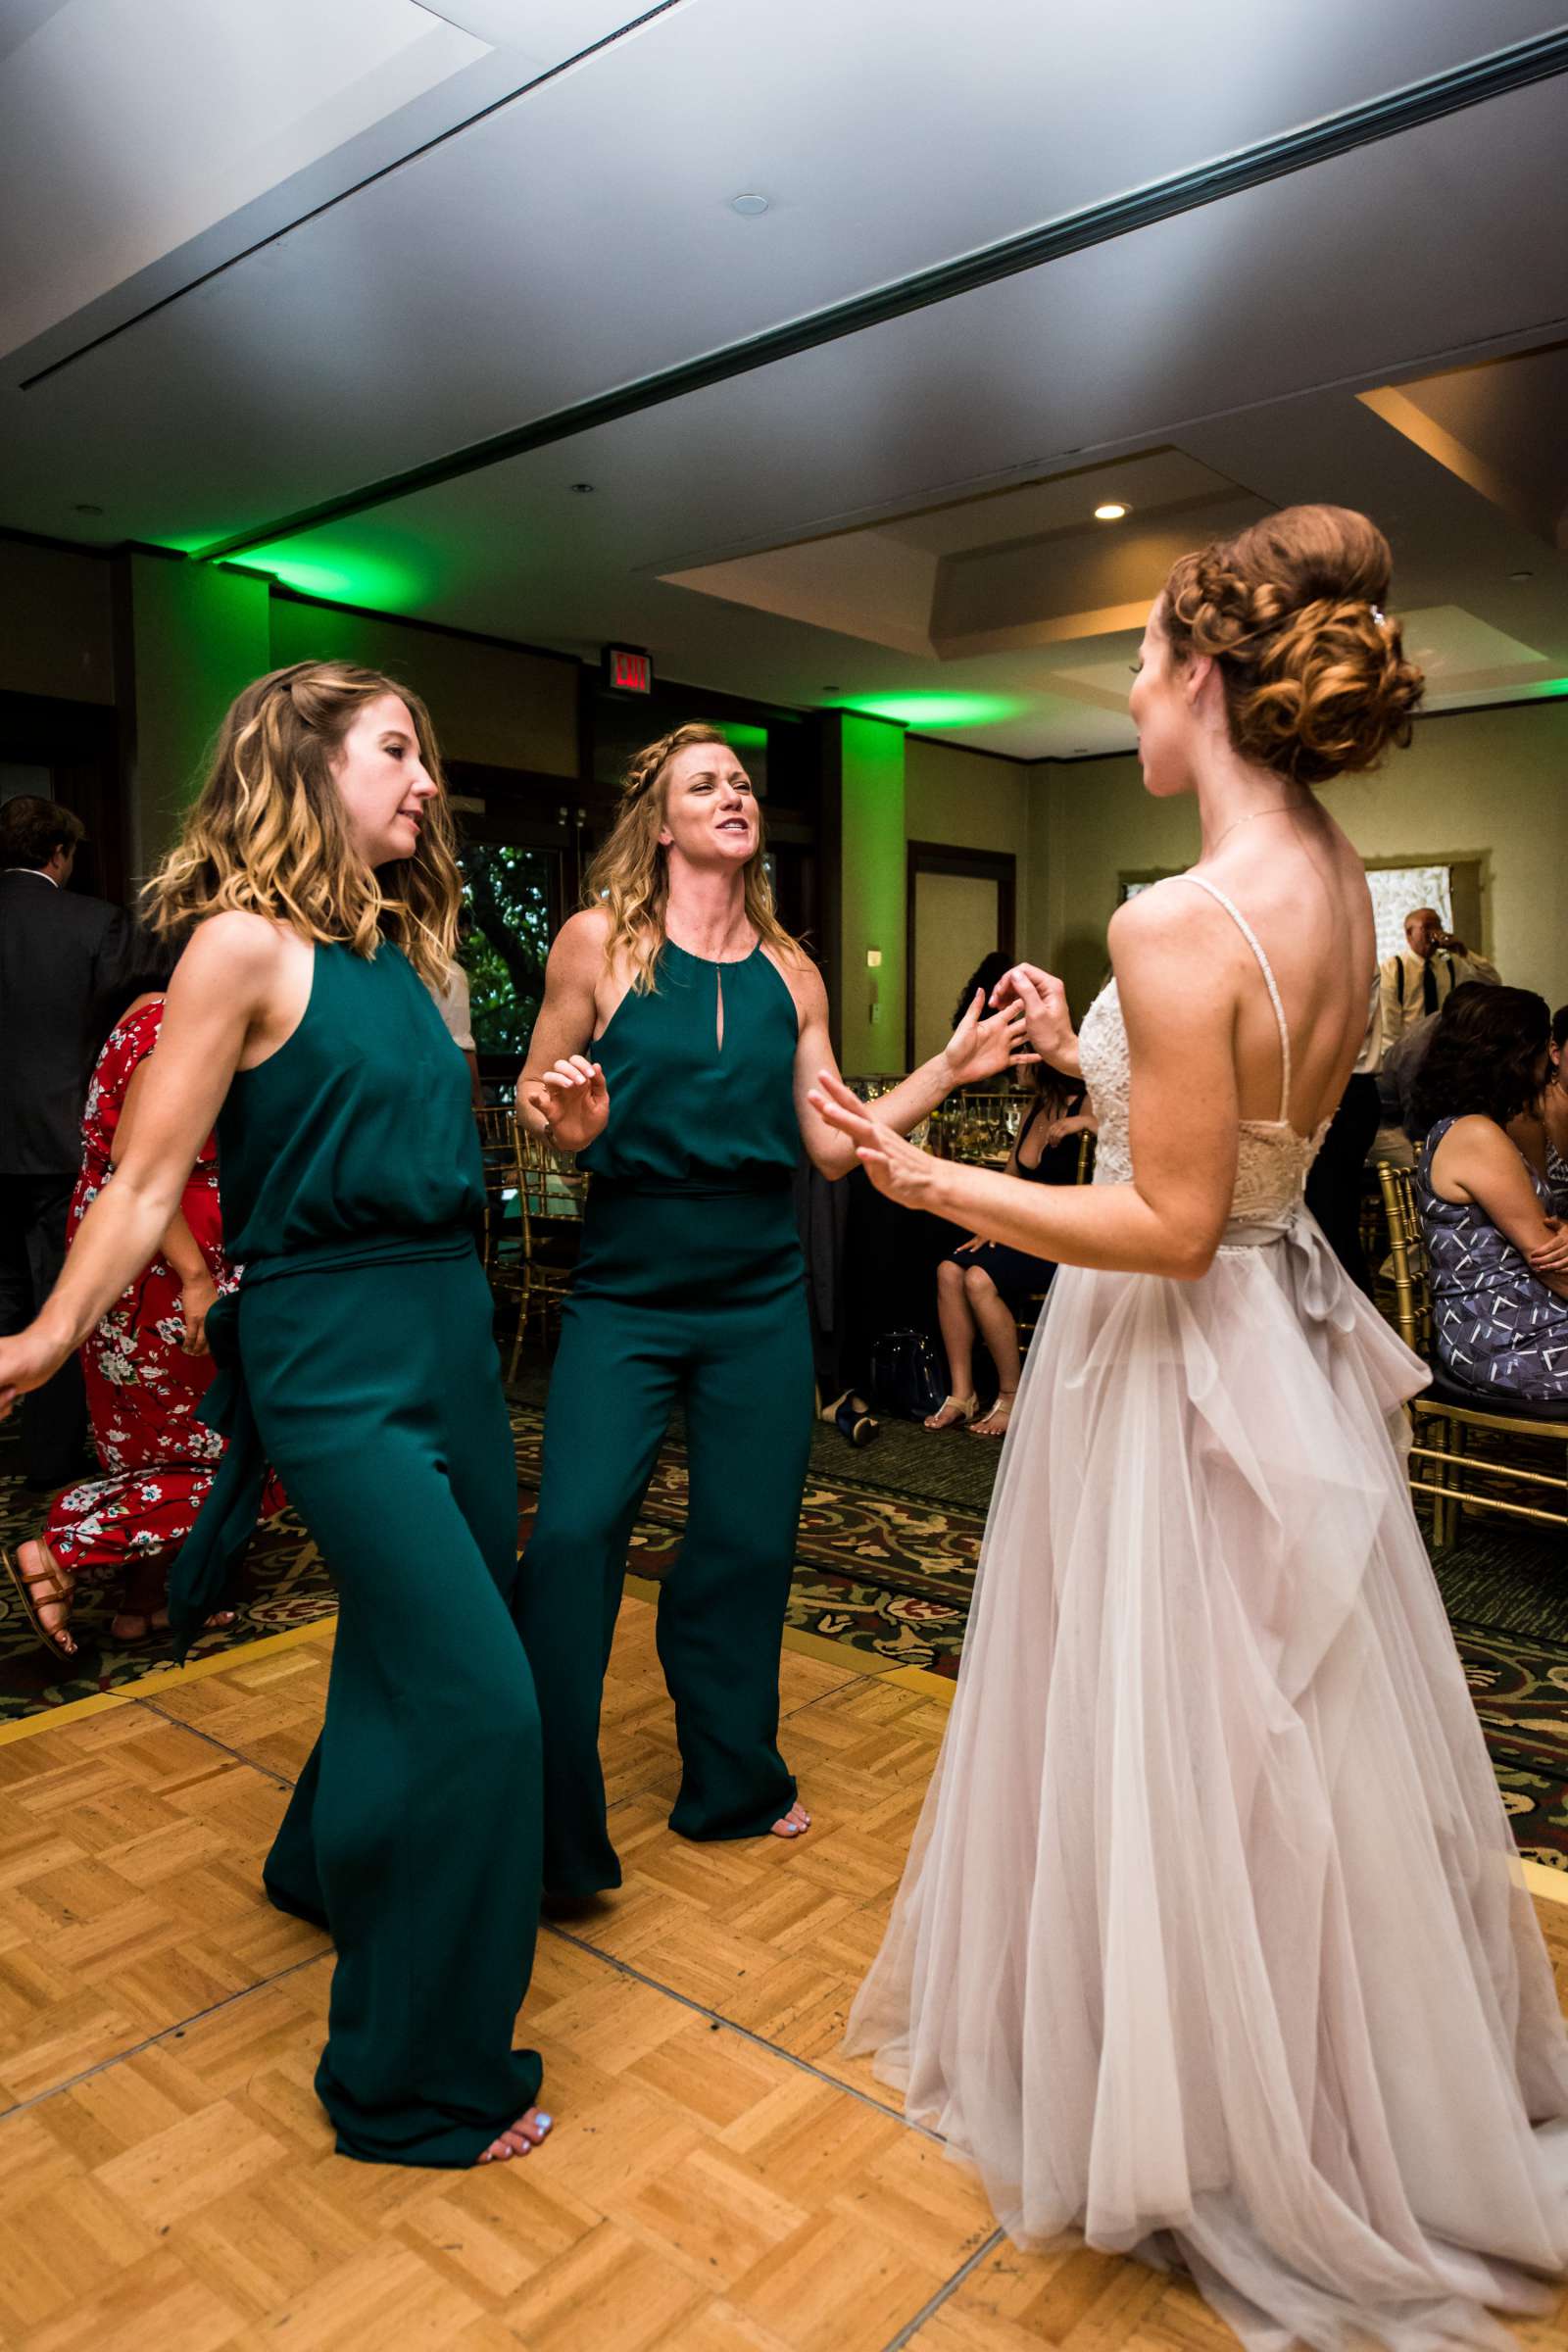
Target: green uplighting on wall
{"points": [[1545, 690], [349, 577], [741, 736], [924, 711]]}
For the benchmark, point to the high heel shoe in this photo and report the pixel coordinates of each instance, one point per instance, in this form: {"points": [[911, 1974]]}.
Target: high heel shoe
{"points": [[853, 1418]]}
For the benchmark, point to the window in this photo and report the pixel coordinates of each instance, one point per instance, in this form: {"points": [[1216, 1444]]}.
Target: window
{"points": [[1453, 885], [510, 891]]}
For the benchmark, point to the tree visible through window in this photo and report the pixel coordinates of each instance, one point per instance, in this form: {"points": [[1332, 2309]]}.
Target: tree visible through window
{"points": [[509, 893]]}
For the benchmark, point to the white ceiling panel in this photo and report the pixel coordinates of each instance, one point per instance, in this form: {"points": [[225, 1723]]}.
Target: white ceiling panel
{"points": [[579, 239], [537, 28], [1238, 333], [127, 131]]}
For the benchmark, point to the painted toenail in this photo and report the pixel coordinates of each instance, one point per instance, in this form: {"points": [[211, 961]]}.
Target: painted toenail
{"points": [[543, 2122]]}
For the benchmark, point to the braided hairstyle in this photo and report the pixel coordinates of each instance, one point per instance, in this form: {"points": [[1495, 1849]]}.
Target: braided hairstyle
{"points": [[1315, 680], [629, 876]]}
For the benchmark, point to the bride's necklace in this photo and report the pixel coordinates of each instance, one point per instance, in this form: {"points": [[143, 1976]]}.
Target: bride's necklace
{"points": [[1281, 809]]}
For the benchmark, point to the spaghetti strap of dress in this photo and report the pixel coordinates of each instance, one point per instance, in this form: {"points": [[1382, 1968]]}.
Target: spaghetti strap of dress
{"points": [[1266, 969]]}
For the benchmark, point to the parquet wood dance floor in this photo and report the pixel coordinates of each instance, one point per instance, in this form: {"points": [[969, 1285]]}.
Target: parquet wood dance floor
{"points": [[720, 2177]]}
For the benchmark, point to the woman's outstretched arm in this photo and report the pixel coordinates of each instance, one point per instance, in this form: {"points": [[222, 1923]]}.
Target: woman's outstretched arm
{"points": [[983, 1045], [1183, 1130]]}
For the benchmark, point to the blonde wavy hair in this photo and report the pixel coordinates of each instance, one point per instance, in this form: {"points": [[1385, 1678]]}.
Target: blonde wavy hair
{"points": [[629, 876], [267, 833]]}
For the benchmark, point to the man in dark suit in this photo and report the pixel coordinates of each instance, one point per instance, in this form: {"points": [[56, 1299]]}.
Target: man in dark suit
{"points": [[68, 963]]}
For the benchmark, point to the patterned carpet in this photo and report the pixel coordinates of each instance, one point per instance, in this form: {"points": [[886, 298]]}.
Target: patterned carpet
{"points": [[888, 1541]]}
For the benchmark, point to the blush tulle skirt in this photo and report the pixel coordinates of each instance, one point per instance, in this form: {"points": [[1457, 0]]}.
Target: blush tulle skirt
{"points": [[1213, 1943]]}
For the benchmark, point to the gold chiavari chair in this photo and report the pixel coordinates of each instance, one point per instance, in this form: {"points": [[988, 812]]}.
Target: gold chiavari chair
{"points": [[551, 1190], [1523, 1451], [500, 1249]]}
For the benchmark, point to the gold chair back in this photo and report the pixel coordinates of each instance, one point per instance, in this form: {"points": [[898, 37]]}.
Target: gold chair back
{"points": [[1407, 1257]]}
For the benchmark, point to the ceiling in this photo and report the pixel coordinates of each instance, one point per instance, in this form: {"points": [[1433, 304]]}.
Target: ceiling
{"points": [[421, 272]]}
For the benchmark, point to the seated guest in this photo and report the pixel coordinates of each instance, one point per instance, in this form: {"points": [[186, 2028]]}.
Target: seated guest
{"points": [[147, 1369], [981, 1285], [1425, 974], [1542, 1131], [1499, 1298]]}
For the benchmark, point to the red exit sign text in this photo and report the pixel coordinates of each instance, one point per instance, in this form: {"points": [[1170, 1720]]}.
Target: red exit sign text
{"points": [[628, 672]]}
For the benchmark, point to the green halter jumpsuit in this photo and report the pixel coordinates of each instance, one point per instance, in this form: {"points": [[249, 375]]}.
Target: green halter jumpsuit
{"points": [[357, 1356], [690, 1289]]}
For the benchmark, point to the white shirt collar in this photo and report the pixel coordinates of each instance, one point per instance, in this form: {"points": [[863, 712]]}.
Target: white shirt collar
{"points": [[34, 869]]}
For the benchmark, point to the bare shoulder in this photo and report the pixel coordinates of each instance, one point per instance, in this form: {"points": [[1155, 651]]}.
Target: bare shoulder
{"points": [[240, 952], [1477, 1138], [1162, 920], [579, 945], [804, 981]]}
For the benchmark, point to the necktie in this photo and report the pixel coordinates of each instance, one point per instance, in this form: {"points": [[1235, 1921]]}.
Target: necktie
{"points": [[1429, 985]]}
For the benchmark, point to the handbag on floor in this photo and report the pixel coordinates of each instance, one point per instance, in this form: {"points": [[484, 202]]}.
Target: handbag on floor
{"points": [[906, 1377]]}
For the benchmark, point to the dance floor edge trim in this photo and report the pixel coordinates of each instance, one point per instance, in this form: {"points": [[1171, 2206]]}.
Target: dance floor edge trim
{"points": [[1540, 1882]]}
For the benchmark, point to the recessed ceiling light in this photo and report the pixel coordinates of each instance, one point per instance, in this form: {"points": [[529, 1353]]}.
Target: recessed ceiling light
{"points": [[582, 488], [748, 206], [1513, 576], [85, 509], [1111, 512]]}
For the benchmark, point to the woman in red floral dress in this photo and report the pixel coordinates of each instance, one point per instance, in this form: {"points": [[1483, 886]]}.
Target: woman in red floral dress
{"points": [[147, 1370]]}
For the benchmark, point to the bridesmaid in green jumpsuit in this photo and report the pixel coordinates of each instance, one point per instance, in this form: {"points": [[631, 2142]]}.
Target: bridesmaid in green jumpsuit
{"points": [[357, 1356], [709, 1026]]}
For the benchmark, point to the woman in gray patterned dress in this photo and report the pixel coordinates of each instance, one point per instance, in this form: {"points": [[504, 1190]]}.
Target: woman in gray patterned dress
{"points": [[1499, 1293]]}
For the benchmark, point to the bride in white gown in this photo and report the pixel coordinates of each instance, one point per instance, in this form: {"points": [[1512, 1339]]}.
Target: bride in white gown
{"points": [[1213, 1942]]}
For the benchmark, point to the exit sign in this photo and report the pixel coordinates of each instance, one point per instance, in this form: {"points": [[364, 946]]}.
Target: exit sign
{"points": [[627, 671]]}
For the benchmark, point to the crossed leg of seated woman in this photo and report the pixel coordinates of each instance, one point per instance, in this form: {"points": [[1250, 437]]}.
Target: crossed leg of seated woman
{"points": [[969, 1305]]}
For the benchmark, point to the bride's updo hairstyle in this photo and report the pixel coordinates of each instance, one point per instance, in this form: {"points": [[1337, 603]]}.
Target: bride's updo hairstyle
{"points": [[1293, 610]]}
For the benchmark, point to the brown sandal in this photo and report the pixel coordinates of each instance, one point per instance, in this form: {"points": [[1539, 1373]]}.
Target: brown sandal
{"points": [[58, 1587]]}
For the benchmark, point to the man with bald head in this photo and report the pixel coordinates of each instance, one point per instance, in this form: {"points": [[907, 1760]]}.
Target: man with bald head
{"points": [[1425, 974]]}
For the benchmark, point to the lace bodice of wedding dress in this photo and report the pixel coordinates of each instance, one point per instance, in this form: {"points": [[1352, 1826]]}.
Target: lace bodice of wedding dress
{"points": [[1272, 1160]]}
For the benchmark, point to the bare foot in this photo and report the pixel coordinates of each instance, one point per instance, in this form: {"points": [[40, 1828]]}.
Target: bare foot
{"points": [[524, 2134], [50, 1590], [952, 1412], [995, 1423], [796, 1822]]}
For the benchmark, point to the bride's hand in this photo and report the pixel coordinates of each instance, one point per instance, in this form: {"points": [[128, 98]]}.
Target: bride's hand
{"points": [[895, 1167], [1043, 1001], [983, 1045], [573, 1099]]}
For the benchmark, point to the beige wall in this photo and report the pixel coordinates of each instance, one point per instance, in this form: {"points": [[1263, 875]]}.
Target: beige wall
{"points": [[498, 705], [1487, 784], [57, 635], [973, 801]]}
